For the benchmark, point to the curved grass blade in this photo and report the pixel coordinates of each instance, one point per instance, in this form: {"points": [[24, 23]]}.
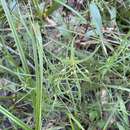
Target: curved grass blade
{"points": [[16, 38], [76, 121], [3, 68], [14, 118], [38, 54]]}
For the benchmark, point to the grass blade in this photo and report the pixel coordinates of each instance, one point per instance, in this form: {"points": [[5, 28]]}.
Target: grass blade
{"points": [[76, 121], [16, 38], [14, 118], [38, 54], [96, 17], [97, 22]]}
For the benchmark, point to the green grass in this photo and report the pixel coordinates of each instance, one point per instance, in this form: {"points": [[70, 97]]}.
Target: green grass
{"points": [[14, 119], [62, 77]]}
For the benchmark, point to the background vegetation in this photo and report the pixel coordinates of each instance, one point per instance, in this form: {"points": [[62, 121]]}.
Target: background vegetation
{"points": [[64, 64]]}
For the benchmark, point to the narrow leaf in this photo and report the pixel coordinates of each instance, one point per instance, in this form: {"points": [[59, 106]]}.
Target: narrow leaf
{"points": [[96, 17], [16, 38], [14, 118]]}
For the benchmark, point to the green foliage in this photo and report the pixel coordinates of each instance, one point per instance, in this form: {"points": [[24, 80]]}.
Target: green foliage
{"points": [[68, 70], [14, 119]]}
